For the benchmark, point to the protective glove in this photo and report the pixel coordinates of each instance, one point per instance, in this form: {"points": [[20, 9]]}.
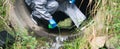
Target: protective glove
{"points": [[71, 1], [52, 24]]}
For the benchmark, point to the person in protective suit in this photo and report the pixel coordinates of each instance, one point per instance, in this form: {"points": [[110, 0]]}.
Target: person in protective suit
{"points": [[43, 9]]}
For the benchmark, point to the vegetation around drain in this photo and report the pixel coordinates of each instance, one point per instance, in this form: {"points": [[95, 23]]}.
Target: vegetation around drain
{"points": [[105, 22]]}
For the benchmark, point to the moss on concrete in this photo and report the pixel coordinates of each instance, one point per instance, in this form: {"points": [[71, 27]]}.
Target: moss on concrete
{"points": [[65, 23]]}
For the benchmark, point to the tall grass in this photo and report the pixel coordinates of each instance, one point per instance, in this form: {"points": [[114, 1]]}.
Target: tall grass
{"points": [[4, 7], [22, 39], [105, 17], [2, 13], [106, 21]]}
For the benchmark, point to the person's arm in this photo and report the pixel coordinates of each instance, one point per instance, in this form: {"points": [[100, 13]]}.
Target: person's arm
{"points": [[39, 10]]}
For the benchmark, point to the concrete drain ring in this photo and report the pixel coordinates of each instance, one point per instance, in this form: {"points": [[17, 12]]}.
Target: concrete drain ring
{"points": [[22, 17]]}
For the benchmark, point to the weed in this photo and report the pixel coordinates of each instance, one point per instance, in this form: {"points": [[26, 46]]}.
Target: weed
{"points": [[22, 39], [108, 17], [107, 13]]}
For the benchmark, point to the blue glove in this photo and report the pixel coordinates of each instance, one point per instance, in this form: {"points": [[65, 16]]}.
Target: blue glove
{"points": [[72, 1], [52, 24]]}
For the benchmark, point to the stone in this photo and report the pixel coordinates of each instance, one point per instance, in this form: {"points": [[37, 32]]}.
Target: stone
{"points": [[98, 42]]}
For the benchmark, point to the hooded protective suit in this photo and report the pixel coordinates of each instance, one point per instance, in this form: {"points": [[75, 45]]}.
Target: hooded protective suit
{"points": [[43, 9]]}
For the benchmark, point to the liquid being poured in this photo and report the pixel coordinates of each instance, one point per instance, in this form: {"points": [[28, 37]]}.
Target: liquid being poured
{"points": [[59, 41], [59, 31]]}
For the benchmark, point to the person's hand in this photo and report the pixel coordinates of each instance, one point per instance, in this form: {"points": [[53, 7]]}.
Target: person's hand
{"points": [[71, 1], [52, 24]]}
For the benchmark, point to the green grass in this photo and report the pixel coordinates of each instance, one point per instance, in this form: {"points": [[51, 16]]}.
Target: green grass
{"points": [[116, 23], [112, 21], [22, 39], [78, 43], [2, 8], [2, 14]]}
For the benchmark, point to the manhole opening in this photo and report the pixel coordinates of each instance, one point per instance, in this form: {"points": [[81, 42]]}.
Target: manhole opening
{"points": [[58, 15]]}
